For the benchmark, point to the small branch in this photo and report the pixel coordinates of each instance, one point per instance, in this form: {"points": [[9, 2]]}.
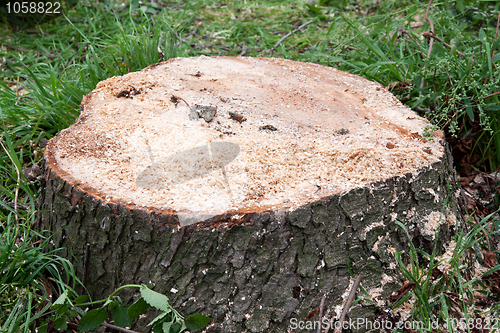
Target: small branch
{"points": [[491, 95], [421, 109], [117, 328], [377, 5], [431, 43], [432, 27], [15, 48], [244, 50], [404, 32], [321, 306], [175, 98], [348, 303], [288, 35], [207, 46], [13, 205], [471, 64], [180, 38], [430, 34]]}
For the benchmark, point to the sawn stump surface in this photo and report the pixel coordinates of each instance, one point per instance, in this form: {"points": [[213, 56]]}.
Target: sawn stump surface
{"points": [[247, 185]]}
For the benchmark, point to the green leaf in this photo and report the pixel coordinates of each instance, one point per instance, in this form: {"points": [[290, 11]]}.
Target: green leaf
{"points": [[60, 323], [112, 305], [138, 308], [468, 108], [176, 328], [81, 299], [158, 329], [62, 310], [121, 317], [158, 319], [60, 300], [108, 302], [92, 319], [314, 9], [155, 299], [42, 328], [166, 327], [197, 321], [482, 35]]}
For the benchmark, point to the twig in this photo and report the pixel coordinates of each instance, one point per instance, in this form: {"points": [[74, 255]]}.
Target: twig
{"points": [[193, 114], [471, 64], [377, 5], [117, 328], [12, 204], [421, 109], [180, 38], [15, 48], [432, 27], [348, 303], [18, 180], [490, 95], [431, 43], [321, 305], [288, 35], [430, 34], [206, 46], [182, 99], [244, 50], [404, 32]]}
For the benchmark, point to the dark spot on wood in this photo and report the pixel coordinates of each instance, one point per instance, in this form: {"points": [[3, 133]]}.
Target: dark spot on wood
{"points": [[198, 74], [296, 291], [342, 131], [427, 150], [128, 93], [312, 314], [237, 117], [268, 127], [175, 100]]}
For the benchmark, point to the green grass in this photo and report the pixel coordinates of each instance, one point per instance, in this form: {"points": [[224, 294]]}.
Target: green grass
{"points": [[449, 297], [40, 92], [29, 273]]}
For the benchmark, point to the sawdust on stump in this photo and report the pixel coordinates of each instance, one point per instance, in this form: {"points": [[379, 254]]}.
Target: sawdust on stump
{"points": [[224, 178]]}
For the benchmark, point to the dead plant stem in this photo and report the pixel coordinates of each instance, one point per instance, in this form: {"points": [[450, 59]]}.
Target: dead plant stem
{"points": [[431, 43], [18, 179]]}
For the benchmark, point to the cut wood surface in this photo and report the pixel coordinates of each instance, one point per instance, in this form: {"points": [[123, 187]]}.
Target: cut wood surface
{"points": [[247, 185], [305, 132]]}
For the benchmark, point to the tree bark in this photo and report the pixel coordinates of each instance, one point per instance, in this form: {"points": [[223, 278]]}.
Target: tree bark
{"points": [[257, 268]]}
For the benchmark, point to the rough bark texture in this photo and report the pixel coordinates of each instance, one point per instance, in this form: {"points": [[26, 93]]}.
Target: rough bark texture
{"points": [[254, 272]]}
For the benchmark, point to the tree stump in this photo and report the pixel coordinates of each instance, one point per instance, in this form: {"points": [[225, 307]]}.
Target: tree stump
{"points": [[246, 188]]}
